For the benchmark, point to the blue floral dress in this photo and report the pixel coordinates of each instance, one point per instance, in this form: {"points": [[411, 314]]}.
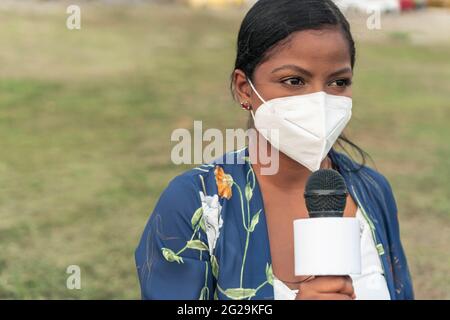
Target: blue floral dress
{"points": [[207, 237]]}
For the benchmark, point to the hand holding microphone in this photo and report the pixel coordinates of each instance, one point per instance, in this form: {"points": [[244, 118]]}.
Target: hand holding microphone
{"points": [[327, 245], [326, 288]]}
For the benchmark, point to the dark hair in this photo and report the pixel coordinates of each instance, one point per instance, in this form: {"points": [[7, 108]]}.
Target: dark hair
{"points": [[268, 25]]}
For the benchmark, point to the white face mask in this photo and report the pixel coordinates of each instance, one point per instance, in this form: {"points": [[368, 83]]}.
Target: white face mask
{"points": [[308, 125]]}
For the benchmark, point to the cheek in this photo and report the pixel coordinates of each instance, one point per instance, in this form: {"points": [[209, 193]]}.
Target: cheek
{"points": [[349, 92], [265, 94], [255, 102]]}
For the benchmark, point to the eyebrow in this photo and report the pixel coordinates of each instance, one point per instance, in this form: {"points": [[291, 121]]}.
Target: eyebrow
{"points": [[293, 67], [308, 73], [341, 71]]}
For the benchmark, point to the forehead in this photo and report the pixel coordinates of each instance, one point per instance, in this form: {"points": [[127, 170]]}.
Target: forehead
{"points": [[312, 49]]}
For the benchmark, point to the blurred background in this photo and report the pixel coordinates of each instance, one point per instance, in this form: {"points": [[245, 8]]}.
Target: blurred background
{"points": [[86, 118]]}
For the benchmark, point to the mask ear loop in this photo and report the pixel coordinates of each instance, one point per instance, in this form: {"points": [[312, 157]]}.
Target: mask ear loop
{"points": [[257, 94], [251, 111]]}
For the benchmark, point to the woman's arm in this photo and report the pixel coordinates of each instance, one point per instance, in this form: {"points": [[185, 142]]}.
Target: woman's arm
{"points": [[400, 269], [172, 258], [396, 255]]}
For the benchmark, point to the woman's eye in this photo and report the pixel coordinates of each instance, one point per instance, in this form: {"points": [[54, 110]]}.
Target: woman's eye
{"points": [[341, 83], [294, 82]]}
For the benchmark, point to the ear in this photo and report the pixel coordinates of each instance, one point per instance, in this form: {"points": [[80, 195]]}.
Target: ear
{"points": [[242, 89]]}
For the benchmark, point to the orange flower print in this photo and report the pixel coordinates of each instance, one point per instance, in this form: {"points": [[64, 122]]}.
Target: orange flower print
{"points": [[224, 183]]}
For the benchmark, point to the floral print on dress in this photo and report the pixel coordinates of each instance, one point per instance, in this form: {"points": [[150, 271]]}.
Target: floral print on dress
{"points": [[224, 183], [207, 236], [212, 219]]}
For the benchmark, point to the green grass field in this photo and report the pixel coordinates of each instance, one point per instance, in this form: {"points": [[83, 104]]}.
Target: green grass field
{"points": [[85, 124]]}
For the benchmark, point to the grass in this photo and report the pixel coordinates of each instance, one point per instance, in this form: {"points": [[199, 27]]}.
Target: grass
{"points": [[86, 118]]}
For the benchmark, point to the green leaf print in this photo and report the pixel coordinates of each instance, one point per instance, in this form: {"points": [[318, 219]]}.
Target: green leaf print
{"points": [[239, 293], [214, 266], [204, 294], [170, 256], [202, 225], [269, 274], [254, 222], [197, 245], [196, 217], [248, 192]]}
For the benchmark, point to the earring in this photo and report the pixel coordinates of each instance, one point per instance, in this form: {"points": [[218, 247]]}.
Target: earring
{"points": [[246, 106]]}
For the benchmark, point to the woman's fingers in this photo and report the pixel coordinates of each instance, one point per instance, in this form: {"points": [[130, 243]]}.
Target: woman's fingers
{"points": [[334, 296], [329, 285]]}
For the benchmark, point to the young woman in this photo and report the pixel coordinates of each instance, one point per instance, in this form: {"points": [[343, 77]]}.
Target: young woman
{"points": [[225, 231]]}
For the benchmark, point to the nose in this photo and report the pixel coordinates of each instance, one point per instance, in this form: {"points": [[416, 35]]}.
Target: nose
{"points": [[317, 86]]}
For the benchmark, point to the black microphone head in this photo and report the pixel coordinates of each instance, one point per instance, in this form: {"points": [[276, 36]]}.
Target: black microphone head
{"points": [[325, 194]]}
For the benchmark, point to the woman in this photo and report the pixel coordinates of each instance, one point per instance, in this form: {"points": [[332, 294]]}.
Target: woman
{"points": [[224, 231]]}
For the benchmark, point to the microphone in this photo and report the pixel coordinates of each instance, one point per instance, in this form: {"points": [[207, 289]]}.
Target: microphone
{"points": [[326, 243], [325, 194]]}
